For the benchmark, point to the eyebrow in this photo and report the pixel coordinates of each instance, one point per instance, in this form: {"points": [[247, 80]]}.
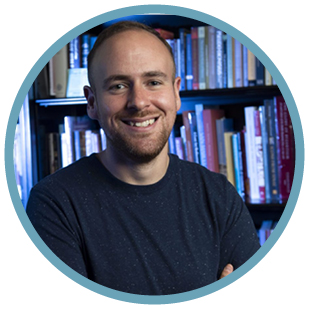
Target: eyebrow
{"points": [[122, 77]]}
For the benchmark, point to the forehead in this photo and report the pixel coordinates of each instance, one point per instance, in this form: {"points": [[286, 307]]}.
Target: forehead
{"points": [[132, 50]]}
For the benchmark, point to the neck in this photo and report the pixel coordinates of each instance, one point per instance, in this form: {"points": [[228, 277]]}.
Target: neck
{"points": [[134, 172]]}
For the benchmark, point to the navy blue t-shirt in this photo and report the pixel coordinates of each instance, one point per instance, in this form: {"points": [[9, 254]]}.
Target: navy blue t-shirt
{"points": [[170, 237]]}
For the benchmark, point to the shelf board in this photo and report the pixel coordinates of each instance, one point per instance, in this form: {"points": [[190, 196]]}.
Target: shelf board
{"points": [[209, 96]]}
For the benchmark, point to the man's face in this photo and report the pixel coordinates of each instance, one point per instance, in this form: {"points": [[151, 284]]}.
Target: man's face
{"points": [[136, 97]]}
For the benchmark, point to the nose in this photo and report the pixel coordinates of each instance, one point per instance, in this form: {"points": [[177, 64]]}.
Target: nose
{"points": [[138, 98]]}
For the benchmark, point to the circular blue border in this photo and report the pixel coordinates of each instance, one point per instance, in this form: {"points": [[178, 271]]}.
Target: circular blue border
{"points": [[152, 9]]}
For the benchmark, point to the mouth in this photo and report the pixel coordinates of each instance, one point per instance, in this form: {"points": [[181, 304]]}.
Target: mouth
{"points": [[139, 123]]}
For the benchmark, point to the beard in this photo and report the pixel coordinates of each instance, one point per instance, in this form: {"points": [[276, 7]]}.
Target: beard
{"points": [[141, 148]]}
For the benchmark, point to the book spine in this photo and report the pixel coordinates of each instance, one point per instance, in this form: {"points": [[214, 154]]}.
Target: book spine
{"points": [[260, 73], [184, 141], [201, 57], [259, 155], [182, 35], [179, 148], [219, 59], [265, 152], [212, 56], [251, 69], [209, 118], [237, 169], [224, 38], [245, 65], [229, 158], [201, 135], [272, 150], [195, 64], [189, 141], [251, 153], [284, 148], [238, 64], [189, 76], [194, 137], [74, 53], [230, 61], [85, 50]]}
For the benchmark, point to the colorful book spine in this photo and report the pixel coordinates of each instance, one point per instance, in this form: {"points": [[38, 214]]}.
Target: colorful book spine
{"points": [[230, 60], [183, 34], [251, 153], [272, 150], [195, 64], [284, 148], [189, 141], [222, 125], [219, 59], [74, 53], [251, 69], [238, 60], [85, 50], [201, 57], [194, 137], [230, 170], [260, 73], [259, 155], [245, 65], [189, 73], [265, 152], [201, 135], [211, 62], [209, 118]]}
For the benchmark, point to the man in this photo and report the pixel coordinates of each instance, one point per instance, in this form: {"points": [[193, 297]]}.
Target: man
{"points": [[134, 218]]}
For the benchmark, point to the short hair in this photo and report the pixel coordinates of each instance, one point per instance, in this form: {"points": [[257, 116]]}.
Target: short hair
{"points": [[119, 27]]}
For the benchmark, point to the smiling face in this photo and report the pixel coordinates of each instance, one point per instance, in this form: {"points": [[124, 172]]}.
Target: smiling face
{"points": [[135, 96]]}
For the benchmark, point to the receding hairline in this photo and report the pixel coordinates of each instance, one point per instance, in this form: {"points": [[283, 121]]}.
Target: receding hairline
{"points": [[119, 28]]}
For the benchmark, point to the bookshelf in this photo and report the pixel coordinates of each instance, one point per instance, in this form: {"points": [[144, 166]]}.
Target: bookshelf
{"points": [[47, 112]]}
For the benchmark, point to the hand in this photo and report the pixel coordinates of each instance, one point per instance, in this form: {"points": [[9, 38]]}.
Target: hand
{"points": [[228, 269]]}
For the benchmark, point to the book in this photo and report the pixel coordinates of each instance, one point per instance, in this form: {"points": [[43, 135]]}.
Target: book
{"points": [[251, 68], [223, 125], [202, 57], [179, 148], [230, 61], [219, 58], [238, 61], [211, 60], [209, 118], [201, 134], [189, 64], [250, 143], [85, 49], [259, 155], [285, 146], [265, 152], [230, 171], [75, 53], [195, 57], [272, 150], [260, 73], [238, 164], [58, 68], [183, 52]]}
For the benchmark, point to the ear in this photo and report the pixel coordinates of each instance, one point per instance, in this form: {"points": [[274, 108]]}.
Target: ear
{"points": [[91, 103], [176, 90]]}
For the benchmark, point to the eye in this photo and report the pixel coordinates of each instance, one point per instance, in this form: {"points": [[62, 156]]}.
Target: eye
{"points": [[154, 83]]}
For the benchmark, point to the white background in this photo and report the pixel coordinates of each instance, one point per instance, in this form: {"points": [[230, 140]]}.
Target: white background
{"points": [[28, 28]]}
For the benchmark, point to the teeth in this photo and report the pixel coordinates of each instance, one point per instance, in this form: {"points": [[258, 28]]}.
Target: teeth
{"points": [[142, 124]]}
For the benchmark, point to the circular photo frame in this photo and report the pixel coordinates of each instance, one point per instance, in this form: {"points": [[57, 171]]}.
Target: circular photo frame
{"points": [[121, 14]]}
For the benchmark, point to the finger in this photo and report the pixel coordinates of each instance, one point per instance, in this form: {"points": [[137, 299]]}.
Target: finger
{"points": [[228, 269]]}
